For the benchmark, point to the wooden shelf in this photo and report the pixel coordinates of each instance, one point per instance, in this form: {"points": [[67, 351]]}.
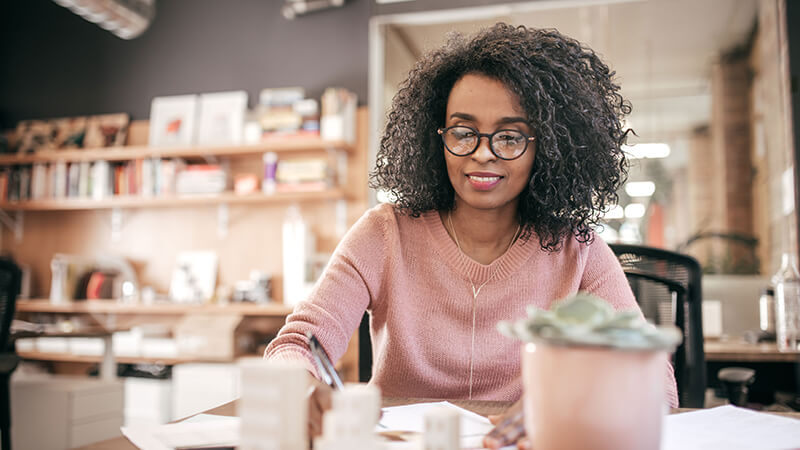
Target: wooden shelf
{"points": [[135, 201], [69, 357], [278, 145], [113, 307]]}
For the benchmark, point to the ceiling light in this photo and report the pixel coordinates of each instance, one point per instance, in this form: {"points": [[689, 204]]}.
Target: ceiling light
{"points": [[652, 150], [634, 211], [615, 212], [294, 8], [640, 188], [127, 19]]}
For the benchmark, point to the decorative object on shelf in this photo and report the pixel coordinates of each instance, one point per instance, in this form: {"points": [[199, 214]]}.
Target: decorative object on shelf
{"points": [[194, 278], [110, 130], [276, 112], [70, 132], [338, 119], [270, 169], [172, 120], [298, 247], [34, 135], [221, 118], [304, 174]]}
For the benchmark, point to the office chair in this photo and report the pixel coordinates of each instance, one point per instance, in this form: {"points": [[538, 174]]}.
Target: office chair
{"points": [[10, 278], [667, 287]]}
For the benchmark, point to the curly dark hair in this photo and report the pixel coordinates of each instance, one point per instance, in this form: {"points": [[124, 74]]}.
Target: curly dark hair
{"points": [[571, 101]]}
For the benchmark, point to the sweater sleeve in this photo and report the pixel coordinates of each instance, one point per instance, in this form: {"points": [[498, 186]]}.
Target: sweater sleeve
{"points": [[603, 277], [347, 287]]}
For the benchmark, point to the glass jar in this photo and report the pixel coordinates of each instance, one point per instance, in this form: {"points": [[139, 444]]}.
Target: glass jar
{"points": [[787, 304]]}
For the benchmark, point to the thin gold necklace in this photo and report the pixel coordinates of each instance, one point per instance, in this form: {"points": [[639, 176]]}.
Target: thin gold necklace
{"points": [[475, 292]]}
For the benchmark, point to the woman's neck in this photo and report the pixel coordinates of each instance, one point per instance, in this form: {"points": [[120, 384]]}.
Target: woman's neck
{"points": [[483, 235]]}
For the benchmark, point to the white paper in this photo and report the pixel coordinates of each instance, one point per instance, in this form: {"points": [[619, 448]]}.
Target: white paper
{"points": [[729, 428], [197, 431], [473, 426]]}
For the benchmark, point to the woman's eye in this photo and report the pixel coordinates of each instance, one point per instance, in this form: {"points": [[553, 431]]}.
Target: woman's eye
{"points": [[463, 134]]}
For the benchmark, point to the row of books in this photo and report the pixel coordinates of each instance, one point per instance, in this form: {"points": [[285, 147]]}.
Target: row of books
{"points": [[148, 177]]}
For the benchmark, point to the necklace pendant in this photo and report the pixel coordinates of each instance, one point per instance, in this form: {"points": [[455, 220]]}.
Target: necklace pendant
{"points": [[475, 292]]}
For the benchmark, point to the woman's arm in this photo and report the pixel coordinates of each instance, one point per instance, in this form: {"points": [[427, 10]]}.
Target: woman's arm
{"points": [[347, 288]]}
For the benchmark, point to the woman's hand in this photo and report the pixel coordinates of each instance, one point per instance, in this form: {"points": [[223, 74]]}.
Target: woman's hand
{"points": [[319, 401], [508, 429]]}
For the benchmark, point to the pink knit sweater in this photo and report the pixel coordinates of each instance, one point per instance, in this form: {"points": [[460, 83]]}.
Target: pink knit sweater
{"points": [[416, 283]]}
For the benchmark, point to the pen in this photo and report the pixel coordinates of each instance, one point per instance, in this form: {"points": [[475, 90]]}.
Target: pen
{"points": [[324, 365]]}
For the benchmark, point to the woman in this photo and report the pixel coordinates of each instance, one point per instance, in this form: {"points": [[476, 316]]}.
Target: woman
{"points": [[501, 152]]}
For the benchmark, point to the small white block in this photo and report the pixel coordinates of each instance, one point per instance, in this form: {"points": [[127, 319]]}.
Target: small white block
{"points": [[442, 429]]}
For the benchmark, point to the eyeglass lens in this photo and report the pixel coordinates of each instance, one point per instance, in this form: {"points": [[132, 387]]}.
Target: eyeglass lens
{"points": [[504, 143]]}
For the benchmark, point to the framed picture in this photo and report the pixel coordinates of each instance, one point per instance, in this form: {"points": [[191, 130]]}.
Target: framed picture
{"points": [[108, 130], [221, 118], [69, 132], [35, 135], [172, 120], [194, 278]]}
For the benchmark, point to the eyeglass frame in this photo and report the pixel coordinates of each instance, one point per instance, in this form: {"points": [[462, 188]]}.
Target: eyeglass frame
{"points": [[442, 131]]}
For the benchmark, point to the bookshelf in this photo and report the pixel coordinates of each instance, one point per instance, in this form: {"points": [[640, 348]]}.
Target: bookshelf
{"points": [[287, 145], [155, 229], [114, 307], [163, 201]]}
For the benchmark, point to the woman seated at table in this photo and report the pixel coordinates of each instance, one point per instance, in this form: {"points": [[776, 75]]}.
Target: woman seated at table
{"points": [[501, 152]]}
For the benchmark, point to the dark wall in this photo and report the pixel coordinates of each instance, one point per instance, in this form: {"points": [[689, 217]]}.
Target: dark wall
{"points": [[54, 63], [432, 5]]}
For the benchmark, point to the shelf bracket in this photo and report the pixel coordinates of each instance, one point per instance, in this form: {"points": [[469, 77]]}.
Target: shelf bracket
{"points": [[116, 224], [15, 224], [223, 219]]}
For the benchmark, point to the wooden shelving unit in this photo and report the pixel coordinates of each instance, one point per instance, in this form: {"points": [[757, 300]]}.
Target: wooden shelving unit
{"points": [[114, 307], [88, 359], [163, 201], [278, 145], [153, 230]]}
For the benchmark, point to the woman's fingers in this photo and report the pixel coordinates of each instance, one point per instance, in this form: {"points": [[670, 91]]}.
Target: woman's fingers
{"points": [[509, 428]]}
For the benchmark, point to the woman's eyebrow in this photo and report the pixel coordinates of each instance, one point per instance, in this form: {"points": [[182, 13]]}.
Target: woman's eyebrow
{"points": [[501, 121]]}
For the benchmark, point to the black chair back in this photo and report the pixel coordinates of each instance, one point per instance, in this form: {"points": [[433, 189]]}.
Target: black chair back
{"points": [[10, 279], [667, 286]]}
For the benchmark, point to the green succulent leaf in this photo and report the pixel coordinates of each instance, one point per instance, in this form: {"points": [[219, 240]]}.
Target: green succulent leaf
{"points": [[584, 319]]}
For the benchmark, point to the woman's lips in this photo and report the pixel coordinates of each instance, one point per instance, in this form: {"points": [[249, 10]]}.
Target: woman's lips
{"points": [[483, 181]]}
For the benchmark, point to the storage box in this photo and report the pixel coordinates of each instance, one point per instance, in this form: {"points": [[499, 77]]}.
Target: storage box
{"points": [[60, 412], [147, 401], [210, 336]]}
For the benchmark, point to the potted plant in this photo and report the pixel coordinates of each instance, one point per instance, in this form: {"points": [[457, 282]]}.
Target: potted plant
{"points": [[593, 377]]}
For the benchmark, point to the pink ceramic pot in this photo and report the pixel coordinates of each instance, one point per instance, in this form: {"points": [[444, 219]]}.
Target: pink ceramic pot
{"points": [[585, 397]]}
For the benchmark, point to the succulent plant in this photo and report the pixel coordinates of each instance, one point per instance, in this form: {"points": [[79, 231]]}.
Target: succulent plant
{"points": [[584, 319]]}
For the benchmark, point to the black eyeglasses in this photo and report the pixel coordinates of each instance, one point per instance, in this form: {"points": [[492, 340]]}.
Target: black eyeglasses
{"points": [[505, 144]]}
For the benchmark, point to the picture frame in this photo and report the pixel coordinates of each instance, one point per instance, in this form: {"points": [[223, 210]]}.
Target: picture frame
{"points": [[70, 132], [108, 130], [172, 121], [194, 279], [222, 116], [34, 135]]}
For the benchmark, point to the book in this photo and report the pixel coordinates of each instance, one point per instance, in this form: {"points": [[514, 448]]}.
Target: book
{"points": [[73, 180], [84, 168], [60, 180], [39, 181]]}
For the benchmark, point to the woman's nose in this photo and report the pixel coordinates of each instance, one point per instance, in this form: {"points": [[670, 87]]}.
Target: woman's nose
{"points": [[484, 151]]}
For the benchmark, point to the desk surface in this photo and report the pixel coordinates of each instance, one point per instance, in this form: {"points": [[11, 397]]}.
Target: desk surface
{"points": [[481, 407], [739, 350]]}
